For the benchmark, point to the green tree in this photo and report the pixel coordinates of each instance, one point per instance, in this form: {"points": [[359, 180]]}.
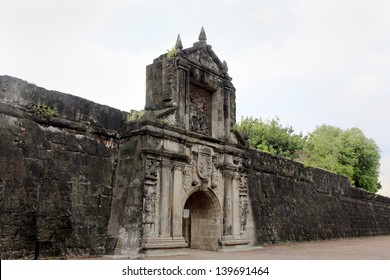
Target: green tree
{"points": [[364, 155], [270, 136], [349, 153], [322, 149]]}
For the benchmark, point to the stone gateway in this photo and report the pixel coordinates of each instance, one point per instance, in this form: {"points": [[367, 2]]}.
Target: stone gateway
{"points": [[78, 178], [191, 194]]}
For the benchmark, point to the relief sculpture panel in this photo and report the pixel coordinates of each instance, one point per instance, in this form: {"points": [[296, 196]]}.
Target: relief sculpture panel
{"points": [[204, 166], [200, 110], [172, 78], [204, 58], [150, 195], [243, 202]]}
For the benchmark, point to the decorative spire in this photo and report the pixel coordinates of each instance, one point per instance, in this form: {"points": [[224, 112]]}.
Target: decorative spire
{"points": [[179, 44], [245, 134], [225, 67], [202, 35]]}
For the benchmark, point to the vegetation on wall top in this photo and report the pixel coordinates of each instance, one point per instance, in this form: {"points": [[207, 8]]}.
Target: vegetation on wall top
{"points": [[346, 152]]}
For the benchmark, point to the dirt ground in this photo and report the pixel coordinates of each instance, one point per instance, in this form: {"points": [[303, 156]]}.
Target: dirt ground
{"points": [[368, 248]]}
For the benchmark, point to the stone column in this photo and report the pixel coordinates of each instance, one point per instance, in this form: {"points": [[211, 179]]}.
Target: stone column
{"points": [[177, 207], [227, 207], [233, 212], [166, 194], [162, 218], [183, 88], [236, 207], [217, 108], [227, 110]]}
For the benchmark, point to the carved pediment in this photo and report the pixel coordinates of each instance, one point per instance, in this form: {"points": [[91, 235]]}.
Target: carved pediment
{"points": [[205, 57], [202, 55]]}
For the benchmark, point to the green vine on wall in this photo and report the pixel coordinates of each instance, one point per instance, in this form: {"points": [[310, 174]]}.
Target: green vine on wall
{"points": [[134, 115], [171, 53], [44, 111]]}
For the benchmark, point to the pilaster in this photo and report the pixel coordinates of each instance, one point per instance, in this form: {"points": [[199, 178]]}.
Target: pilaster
{"points": [[166, 195], [177, 206], [162, 210], [233, 209]]}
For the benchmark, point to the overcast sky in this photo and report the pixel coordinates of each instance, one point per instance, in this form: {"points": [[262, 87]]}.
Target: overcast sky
{"points": [[309, 62]]}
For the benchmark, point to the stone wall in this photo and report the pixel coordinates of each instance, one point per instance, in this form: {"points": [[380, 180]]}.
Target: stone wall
{"points": [[293, 203], [125, 225], [58, 156]]}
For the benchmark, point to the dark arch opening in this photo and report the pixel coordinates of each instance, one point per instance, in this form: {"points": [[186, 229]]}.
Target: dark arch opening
{"points": [[202, 221]]}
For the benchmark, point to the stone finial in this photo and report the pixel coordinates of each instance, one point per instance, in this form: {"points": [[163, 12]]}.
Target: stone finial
{"points": [[179, 44], [245, 134], [202, 35], [225, 67]]}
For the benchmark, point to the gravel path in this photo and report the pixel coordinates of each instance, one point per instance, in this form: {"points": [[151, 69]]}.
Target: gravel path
{"points": [[367, 248]]}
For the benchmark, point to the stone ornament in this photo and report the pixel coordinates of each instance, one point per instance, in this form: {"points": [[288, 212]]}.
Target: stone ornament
{"points": [[204, 58], [172, 78], [243, 212], [199, 110], [205, 164], [243, 202], [151, 169], [151, 178]]}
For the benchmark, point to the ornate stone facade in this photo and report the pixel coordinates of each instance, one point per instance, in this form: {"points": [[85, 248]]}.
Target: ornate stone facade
{"points": [[195, 86], [201, 197]]}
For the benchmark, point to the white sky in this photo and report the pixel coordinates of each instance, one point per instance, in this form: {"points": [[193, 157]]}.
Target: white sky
{"points": [[309, 62]]}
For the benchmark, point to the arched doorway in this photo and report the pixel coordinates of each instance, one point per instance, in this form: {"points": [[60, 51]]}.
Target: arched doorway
{"points": [[202, 221]]}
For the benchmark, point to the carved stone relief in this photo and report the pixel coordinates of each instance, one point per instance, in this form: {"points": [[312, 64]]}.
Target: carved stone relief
{"points": [[200, 110], [233, 108], [204, 58], [151, 169], [172, 78], [238, 162], [149, 201], [217, 179], [204, 165], [243, 202], [150, 194], [187, 177]]}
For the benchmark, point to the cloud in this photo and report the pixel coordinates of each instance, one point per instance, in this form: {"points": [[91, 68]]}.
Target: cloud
{"points": [[334, 51], [50, 44]]}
